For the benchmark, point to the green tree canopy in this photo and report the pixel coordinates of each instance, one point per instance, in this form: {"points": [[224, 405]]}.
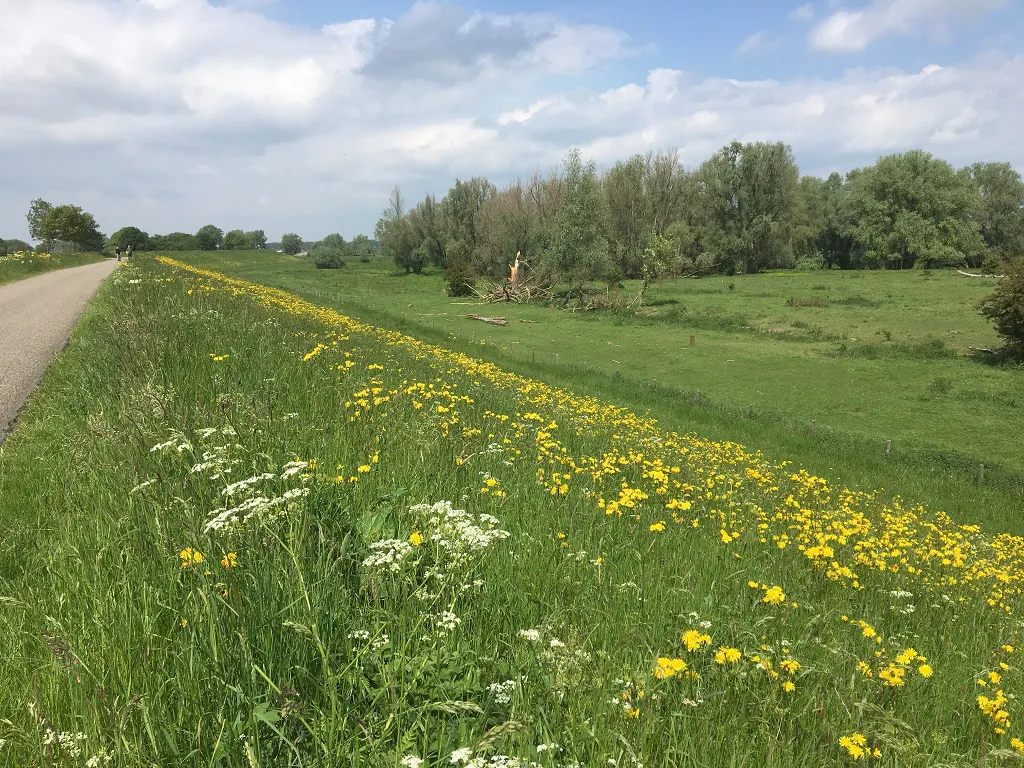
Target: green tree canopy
{"points": [[1005, 307], [14, 246], [175, 241], [70, 224], [580, 249], [291, 243], [37, 211], [133, 236], [1001, 208], [237, 240], [209, 238], [257, 239], [397, 237], [912, 209]]}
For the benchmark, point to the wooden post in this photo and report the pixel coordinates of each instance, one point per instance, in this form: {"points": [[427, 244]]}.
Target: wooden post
{"points": [[888, 447], [533, 356], [812, 426], [693, 340], [981, 474]]}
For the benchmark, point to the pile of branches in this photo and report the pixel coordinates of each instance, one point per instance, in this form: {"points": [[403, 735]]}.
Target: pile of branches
{"points": [[522, 291]]}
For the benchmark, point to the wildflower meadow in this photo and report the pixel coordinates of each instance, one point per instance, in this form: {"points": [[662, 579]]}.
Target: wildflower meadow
{"points": [[245, 530]]}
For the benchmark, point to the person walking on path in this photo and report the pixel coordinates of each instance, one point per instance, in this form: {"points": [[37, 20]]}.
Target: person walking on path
{"points": [[117, 250], [128, 253]]}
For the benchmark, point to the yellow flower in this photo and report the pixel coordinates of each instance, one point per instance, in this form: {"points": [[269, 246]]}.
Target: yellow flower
{"points": [[190, 557], [416, 538], [184, 623], [790, 665], [788, 686], [774, 596], [229, 561], [726, 655], [925, 670], [668, 667], [854, 745], [694, 640], [364, 468], [658, 527], [1017, 744], [633, 712]]}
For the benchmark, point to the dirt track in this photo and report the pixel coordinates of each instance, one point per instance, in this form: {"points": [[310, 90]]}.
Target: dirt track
{"points": [[36, 317]]}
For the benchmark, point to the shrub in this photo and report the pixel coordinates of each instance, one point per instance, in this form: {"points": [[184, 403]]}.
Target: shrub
{"points": [[460, 279], [327, 256], [1005, 307]]}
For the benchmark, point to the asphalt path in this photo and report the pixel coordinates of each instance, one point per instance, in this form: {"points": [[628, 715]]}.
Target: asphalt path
{"points": [[37, 315]]}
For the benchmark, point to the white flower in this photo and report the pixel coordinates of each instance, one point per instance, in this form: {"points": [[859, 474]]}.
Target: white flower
{"points": [[554, 642], [502, 692], [388, 555], [461, 755], [411, 761], [447, 621], [530, 635]]}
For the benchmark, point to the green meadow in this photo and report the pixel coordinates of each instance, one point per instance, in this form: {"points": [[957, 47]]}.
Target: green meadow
{"points": [[887, 356], [16, 266]]}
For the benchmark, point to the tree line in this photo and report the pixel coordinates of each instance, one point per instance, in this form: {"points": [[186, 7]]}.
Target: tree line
{"points": [[745, 209]]}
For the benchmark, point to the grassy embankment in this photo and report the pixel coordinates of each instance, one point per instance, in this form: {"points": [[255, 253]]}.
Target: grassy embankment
{"points": [[210, 555], [887, 358], [16, 266]]}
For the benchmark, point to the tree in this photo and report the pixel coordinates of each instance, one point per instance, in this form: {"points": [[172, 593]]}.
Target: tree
{"points": [[397, 237], [1005, 307], [912, 209], [209, 238], [361, 248], [237, 240], [1001, 209], [70, 224], [175, 241], [133, 236], [835, 239], [37, 212], [330, 252], [748, 197], [459, 210], [580, 251], [506, 224], [291, 243], [257, 239], [14, 246], [630, 214]]}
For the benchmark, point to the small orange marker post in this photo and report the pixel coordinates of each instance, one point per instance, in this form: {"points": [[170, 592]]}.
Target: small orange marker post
{"points": [[693, 340]]}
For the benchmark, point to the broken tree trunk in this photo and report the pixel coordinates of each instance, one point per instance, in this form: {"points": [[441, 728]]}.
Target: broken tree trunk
{"points": [[489, 320]]}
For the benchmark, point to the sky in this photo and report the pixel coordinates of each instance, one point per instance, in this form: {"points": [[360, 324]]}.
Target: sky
{"points": [[301, 115]]}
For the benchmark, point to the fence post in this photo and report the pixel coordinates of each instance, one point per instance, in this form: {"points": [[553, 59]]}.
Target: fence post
{"points": [[812, 426], [888, 447], [693, 340], [981, 474]]}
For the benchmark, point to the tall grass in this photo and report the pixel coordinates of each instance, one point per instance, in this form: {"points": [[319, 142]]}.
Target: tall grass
{"points": [[15, 266], [224, 541]]}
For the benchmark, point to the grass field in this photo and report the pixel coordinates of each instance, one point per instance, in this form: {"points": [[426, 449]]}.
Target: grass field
{"points": [[17, 266], [886, 359], [225, 541]]}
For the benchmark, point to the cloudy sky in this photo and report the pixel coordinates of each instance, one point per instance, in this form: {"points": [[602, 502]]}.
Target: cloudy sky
{"points": [[300, 115]]}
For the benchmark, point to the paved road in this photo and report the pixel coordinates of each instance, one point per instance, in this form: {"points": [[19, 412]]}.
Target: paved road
{"points": [[36, 317]]}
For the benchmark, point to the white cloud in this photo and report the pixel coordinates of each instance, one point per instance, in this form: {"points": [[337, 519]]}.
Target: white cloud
{"points": [[170, 114], [759, 42], [802, 13], [847, 31]]}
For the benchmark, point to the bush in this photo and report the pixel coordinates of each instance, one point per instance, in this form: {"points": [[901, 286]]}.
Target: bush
{"points": [[327, 256], [460, 279], [1005, 307]]}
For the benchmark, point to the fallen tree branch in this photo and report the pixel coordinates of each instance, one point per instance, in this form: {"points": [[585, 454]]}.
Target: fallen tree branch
{"points": [[489, 320], [968, 274]]}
